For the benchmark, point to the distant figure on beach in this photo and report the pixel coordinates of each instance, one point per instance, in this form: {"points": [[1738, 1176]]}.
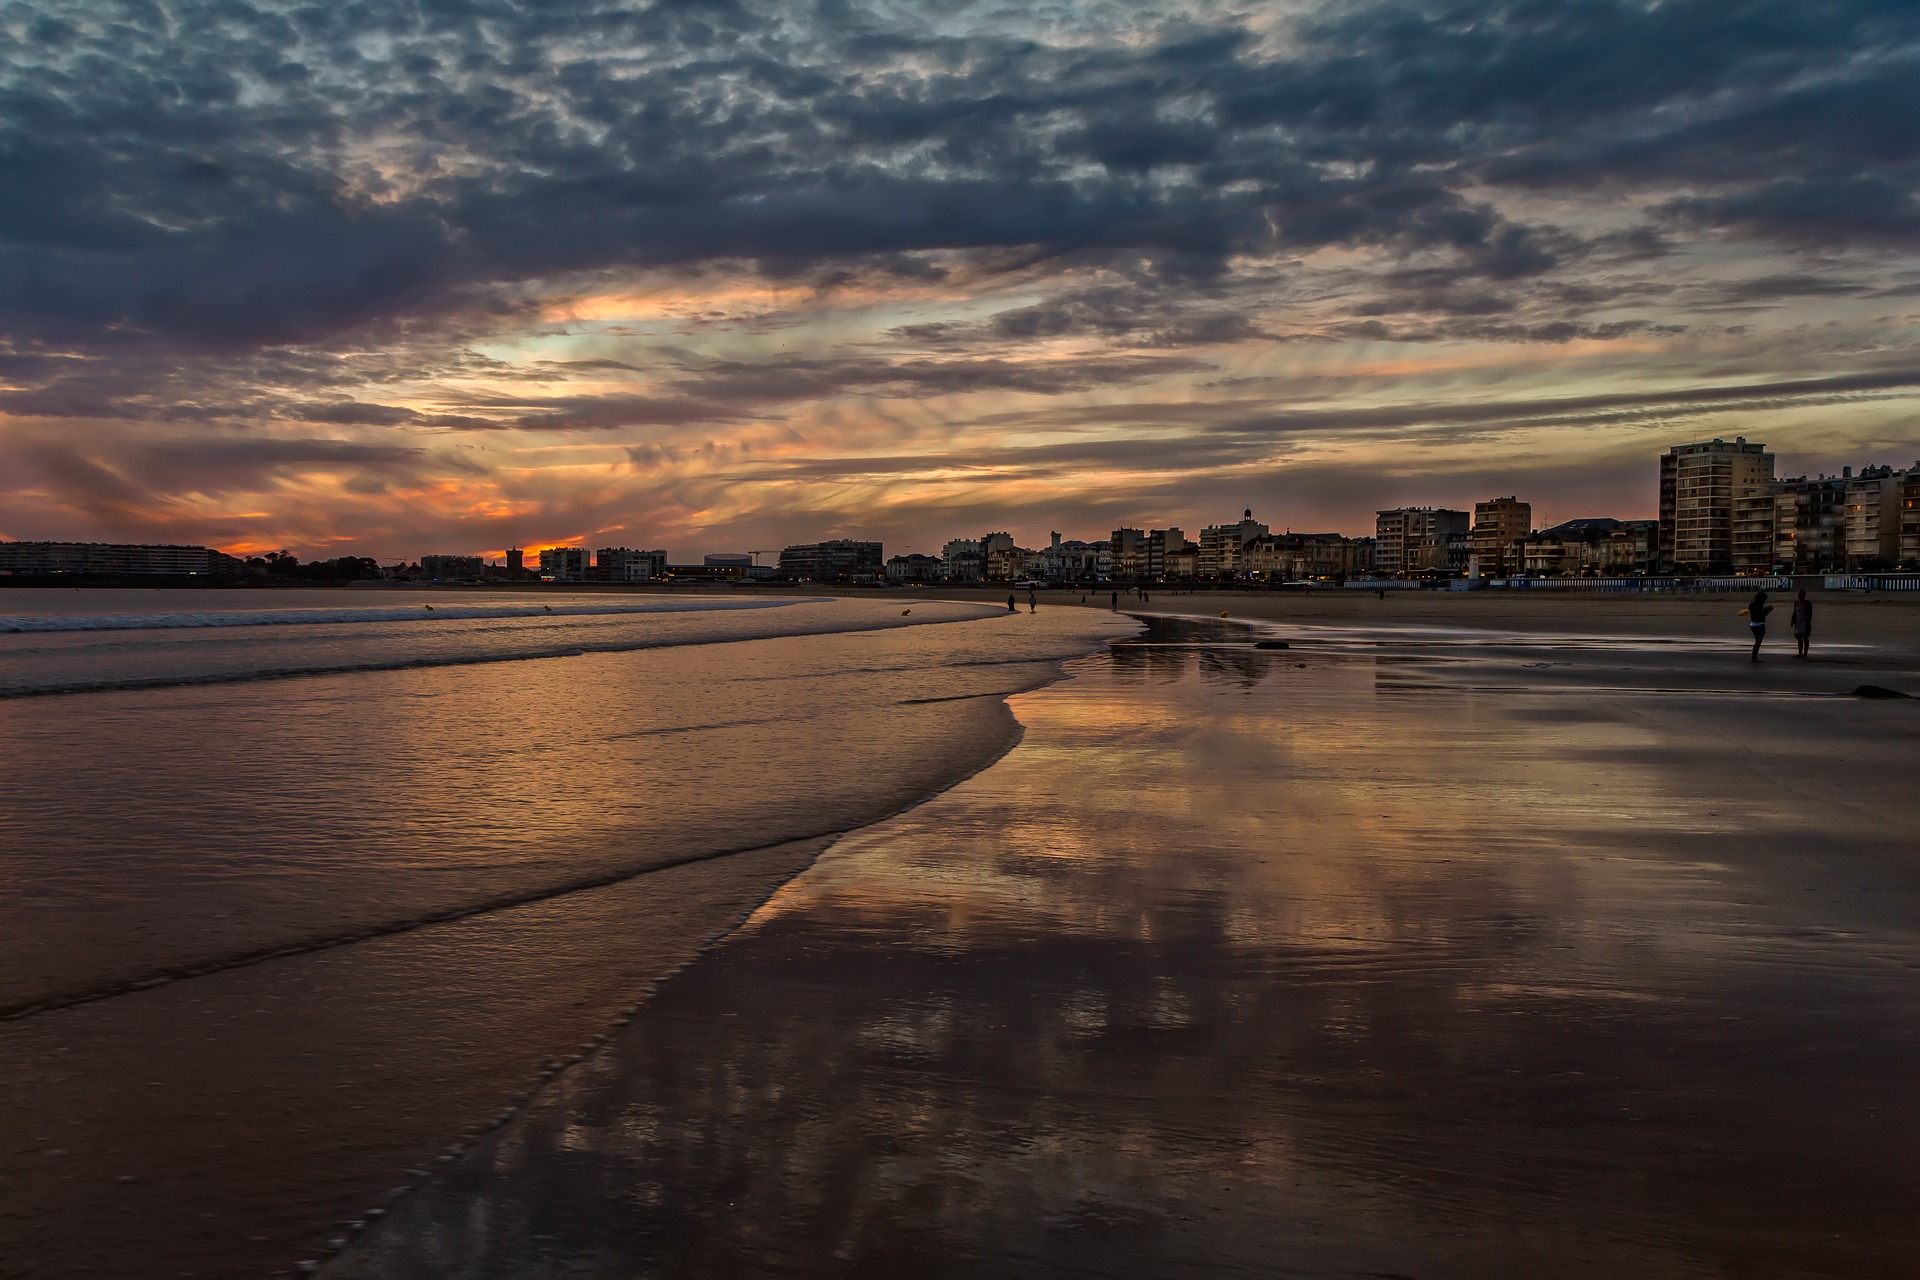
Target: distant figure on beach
{"points": [[1033, 601], [1757, 610], [1143, 595], [1382, 593], [1011, 606], [1115, 606], [1802, 621]]}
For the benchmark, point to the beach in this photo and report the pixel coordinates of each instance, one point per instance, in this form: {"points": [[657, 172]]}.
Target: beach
{"points": [[1399, 951], [302, 888], [1557, 940]]}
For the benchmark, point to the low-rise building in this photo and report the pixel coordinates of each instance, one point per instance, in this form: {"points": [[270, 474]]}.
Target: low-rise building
{"points": [[914, 567]]}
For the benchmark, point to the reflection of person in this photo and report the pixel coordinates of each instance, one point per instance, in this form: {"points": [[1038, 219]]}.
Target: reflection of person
{"points": [[1802, 621], [1757, 611]]}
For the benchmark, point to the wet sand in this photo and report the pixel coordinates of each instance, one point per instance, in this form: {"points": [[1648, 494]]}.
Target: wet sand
{"points": [[1395, 953]]}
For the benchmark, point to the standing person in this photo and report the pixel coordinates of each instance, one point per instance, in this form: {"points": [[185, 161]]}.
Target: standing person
{"points": [[1802, 621], [1757, 610], [1033, 601], [1115, 606], [1011, 606]]}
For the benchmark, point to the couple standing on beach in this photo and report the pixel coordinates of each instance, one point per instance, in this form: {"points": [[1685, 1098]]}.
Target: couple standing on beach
{"points": [[1802, 621]]}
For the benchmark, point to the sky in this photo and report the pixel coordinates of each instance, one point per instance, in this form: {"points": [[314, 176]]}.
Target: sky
{"points": [[350, 277]]}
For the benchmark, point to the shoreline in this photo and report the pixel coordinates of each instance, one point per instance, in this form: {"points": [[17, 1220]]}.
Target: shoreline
{"points": [[1330, 998], [361, 1058]]}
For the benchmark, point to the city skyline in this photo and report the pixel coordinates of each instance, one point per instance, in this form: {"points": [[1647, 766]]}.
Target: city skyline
{"points": [[733, 277]]}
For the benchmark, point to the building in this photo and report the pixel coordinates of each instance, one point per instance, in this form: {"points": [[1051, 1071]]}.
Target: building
{"points": [[1573, 548], [516, 563], [1432, 540], [1001, 558], [1873, 518], [914, 568], [624, 564], [121, 559], [1070, 560], [1631, 551], [1910, 519], [563, 564], [1810, 524], [1699, 484], [738, 561], [1221, 545], [961, 560], [1127, 547], [1297, 557], [1498, 526], [835, 560], [452, 568]]}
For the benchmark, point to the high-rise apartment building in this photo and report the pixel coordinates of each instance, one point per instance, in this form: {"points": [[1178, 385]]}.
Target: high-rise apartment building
{"points": [[563, 564], [1910, 518], [1699, 486], [1421, 540], [1873, 518], [1810, 524], [1498, 526], [624, 564], [837, 559]]}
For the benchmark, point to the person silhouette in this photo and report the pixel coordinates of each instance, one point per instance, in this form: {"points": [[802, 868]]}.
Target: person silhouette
{"points": [[1033, 601], [1011, 606], [1757, 610], [1115, 605], [1802, 623]]}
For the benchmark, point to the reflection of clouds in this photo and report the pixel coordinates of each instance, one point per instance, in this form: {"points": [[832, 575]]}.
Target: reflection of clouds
{"points": [[1347, 981]]}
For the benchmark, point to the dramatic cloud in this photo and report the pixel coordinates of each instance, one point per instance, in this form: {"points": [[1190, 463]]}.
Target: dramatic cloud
{"points": [[296, 273]]}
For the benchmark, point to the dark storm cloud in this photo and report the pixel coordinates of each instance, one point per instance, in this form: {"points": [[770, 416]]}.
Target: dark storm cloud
{"points": [[231, 175]]}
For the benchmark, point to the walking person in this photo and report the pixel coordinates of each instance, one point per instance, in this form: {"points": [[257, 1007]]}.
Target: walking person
{"points": [[1802, 621], [1033, 601], [1757, 610]]}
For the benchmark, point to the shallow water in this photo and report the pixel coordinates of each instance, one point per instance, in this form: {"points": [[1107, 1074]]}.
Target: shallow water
{"points": [[267, 944], [1251, 963]]}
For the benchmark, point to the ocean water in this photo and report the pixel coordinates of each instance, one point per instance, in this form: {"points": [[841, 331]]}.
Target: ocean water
{"points": [[298, 888]]}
